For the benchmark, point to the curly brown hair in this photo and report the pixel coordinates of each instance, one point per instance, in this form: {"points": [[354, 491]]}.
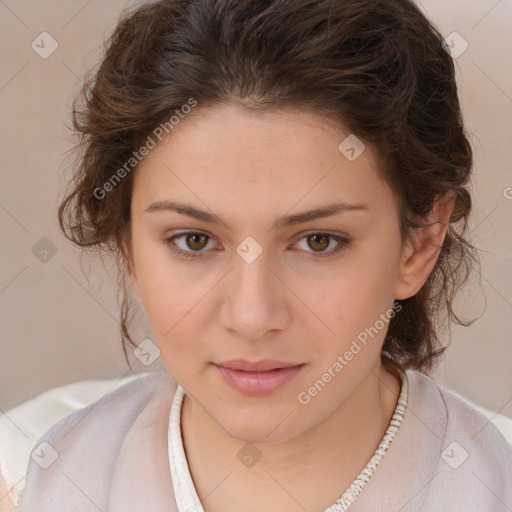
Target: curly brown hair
{"points": [[376, 66]]}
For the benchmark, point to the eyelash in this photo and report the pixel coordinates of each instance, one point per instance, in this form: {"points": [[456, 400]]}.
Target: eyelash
{"points": [[342, 240]]}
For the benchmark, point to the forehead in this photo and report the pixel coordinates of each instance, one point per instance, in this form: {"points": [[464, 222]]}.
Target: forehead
{"points": [[260, 160]]}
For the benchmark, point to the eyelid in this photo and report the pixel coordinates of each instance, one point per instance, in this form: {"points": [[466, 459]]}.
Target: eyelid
{"points": [[342, 240], [169, 241]]}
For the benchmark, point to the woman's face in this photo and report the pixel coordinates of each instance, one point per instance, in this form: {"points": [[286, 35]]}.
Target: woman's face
{"points": [[257, 278]]}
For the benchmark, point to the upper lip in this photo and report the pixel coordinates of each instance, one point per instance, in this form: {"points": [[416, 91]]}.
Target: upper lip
{"points": [[257, 366]]}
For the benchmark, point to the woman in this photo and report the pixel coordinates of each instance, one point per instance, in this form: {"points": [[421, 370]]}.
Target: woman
{"points": [[285, 186]]}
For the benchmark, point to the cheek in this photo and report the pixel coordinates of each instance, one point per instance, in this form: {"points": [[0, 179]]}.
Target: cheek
{"points": [[170, 308], [163, 290], [354, 301], [174, 296]]}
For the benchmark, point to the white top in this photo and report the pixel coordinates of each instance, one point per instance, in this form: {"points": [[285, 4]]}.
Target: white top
{"points": [[187, 499], [113, 455]]}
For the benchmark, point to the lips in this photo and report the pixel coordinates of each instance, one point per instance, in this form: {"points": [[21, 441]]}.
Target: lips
{"points": [[259, 366], [258, 378]]}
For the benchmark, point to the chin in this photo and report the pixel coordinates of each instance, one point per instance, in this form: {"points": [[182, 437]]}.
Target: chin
{"points": [[260, 436], [275, 428]]}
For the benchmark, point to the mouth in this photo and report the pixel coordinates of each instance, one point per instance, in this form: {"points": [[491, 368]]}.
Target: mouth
{"points": [[259, 378], [257, 366]]}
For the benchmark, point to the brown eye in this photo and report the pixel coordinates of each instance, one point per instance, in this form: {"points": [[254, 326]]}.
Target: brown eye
{"points": [[196, 241], [191, 244], [319, 242]]}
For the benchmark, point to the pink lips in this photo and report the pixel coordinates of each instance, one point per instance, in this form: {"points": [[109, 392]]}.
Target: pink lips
{"points": [[259, 378]]}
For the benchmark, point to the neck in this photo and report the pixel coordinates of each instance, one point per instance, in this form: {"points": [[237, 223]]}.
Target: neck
{"points": [[332, 453]]}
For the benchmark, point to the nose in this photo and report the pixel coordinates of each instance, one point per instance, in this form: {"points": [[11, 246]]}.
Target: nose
{"points": [[255, 300]]}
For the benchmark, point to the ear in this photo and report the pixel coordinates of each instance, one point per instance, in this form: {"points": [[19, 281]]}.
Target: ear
{"points": [[420, 256]]}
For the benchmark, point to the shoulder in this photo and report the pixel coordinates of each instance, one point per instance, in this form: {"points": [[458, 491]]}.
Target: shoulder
{"points": [[88, 442], [463, 417], [117, 407], [475, 456], [484, 440]]}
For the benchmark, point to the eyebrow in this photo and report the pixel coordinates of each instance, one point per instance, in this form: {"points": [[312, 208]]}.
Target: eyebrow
{"points": [[286, 221]]}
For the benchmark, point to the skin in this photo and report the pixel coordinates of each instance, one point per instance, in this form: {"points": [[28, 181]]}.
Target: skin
{"points": [[290, 304]]}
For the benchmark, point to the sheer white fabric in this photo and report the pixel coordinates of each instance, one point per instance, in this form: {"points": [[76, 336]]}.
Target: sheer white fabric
{"points": [[186, 494], [113, 456]]}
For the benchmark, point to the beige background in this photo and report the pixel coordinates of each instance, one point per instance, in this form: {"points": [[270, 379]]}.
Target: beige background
{"points": [[59, 327]]}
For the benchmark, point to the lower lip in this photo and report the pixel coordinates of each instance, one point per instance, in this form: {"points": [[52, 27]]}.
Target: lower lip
{"points": [[258, 383]]}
